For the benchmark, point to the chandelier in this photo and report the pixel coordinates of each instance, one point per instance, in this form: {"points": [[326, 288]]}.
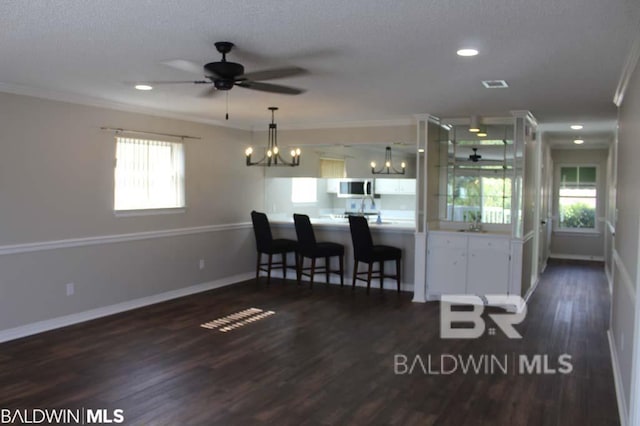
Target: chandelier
{"points": [[272, 157], [387, 168]]}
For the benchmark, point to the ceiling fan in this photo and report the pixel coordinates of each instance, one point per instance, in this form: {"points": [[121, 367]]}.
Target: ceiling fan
{"points": [[475, 157], [223, 75]]}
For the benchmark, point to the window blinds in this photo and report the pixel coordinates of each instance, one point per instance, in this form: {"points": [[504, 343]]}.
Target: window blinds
{"points": [[149, 174]]}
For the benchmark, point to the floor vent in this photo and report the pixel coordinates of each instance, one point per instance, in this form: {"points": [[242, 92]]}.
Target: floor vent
{"points": [[236, 320]]}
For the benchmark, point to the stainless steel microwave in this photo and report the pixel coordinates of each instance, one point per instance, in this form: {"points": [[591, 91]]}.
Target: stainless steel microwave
{"points": [[355, 188]]}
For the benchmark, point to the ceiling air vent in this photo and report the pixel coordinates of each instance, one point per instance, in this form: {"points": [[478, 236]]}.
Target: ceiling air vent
{"points": [[495, 84]]}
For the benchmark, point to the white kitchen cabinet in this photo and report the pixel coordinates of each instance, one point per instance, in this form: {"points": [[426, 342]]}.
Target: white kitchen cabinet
{"points": [[388, 186], [488, 265], [460, 263], [333, 185], [407, 186]]}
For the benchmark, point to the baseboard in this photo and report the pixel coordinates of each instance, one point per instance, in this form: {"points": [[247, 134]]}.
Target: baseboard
{"points": [[532, 289], [389, 283], [617, 379], [576, 257], [64, 321]]}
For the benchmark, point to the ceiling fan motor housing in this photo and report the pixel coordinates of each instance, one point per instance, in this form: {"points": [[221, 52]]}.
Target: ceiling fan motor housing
{"points": [[229, 70]]}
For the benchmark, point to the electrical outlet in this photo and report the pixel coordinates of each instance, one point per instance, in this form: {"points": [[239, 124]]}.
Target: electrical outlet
{"points": [[70, 289], [201, 264]]}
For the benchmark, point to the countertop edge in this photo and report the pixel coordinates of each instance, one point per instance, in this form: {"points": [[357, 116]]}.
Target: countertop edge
{"points": [[390, 228]]}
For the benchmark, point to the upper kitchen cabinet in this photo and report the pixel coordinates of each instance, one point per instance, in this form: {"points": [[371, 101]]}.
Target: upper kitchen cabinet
{"points": [[386, 186]]}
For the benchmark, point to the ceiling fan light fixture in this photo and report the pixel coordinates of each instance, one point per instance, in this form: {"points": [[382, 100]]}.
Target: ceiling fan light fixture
{"points": [[273, 157]]}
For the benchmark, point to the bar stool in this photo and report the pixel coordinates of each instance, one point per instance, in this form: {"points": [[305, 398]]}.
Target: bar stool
{"points": [[309, 248], [265, 243], [365, 251]]}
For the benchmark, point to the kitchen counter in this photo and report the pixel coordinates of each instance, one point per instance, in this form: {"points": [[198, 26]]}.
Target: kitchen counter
{"points": [[401, 235], [401, 226], [462, 229]]}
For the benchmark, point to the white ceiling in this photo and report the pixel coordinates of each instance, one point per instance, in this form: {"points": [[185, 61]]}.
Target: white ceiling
{"points": [[369, 59]]}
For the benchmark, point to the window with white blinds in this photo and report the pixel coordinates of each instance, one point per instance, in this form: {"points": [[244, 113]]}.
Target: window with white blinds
{"points": [[332, 168], [148, 174]]}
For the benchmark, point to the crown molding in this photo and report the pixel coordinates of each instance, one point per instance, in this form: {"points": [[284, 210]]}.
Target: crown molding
{"points": [[627, 70], [118, 106], [343, 124]]}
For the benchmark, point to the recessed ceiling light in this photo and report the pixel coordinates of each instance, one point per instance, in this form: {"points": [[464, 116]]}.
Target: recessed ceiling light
{"points": [[143, 87], [576, 126], [467, 52], [578, 141], [420, 150], [481, 134]]}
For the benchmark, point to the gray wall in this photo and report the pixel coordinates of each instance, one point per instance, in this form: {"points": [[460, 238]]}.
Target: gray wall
{"points": [[625, 242], [576, 244], [56, 183]]}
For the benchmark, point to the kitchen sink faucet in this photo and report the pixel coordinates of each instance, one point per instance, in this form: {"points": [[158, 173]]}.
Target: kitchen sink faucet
{"points": [[373, 203]]}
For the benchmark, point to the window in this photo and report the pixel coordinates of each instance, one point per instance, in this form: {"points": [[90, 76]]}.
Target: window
{"points": [[479, 196], [148, 174], [304, 190], [577, 196], [332, 168]]}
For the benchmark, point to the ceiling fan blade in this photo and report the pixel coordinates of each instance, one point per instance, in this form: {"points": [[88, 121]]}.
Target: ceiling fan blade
{"points": [[267, 87], [211, 91], [273, 73], [158, 83], [183, 65]]}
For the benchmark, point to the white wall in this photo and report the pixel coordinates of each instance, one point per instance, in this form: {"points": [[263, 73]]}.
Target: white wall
{"points": [[56, 184], [624, 308], [587, 246]]}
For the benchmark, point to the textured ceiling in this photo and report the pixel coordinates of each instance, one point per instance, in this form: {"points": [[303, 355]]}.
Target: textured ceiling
{"points": [[369, 59]]}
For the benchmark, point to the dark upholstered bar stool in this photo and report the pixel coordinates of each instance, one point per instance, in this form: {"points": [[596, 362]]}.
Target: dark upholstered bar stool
{"points": [[265, 243], [308, 247], [364, 251]]}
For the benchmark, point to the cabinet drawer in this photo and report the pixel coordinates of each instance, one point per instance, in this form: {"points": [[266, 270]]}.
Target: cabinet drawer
{"points": [[444, 240], [483, 243]]}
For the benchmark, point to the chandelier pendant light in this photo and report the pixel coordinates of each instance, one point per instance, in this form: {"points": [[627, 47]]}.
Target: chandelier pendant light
{"points": [[387, 168], [272, 157]]}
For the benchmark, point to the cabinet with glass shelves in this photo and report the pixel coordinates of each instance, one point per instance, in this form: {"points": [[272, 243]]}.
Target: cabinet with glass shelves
{"points": [[476, 174]]}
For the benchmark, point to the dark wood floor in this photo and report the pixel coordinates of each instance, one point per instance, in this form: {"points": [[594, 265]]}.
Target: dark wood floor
{"points": [[325, 357]]}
